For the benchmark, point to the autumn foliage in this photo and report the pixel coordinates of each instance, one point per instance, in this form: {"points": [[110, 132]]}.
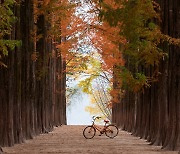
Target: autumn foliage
{"points": [[120, 51]]}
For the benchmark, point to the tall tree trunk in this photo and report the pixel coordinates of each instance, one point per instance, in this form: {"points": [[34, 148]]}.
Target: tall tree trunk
{"points": [[28, 87]]}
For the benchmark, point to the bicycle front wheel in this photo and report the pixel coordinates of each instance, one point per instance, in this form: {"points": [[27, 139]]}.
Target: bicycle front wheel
{"points": [[111, 131], [89, 132]]}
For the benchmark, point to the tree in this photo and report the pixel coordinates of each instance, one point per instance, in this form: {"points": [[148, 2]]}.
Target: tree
{"points": [[32, 86], [150, 68]]}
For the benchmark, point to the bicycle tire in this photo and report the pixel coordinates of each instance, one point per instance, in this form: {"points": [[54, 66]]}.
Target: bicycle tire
{"points": [[111, 131], [88, 130]]}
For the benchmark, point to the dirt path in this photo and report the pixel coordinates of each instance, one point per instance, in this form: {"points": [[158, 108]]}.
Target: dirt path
{"points": [[69, 139]]}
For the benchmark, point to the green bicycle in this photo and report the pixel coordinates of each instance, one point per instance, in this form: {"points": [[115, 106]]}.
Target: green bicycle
{"points": [[110, 130]]}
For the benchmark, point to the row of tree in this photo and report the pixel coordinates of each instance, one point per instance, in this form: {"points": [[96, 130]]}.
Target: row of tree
{"points": [[32, 76], [138, 41], [153, 113]]}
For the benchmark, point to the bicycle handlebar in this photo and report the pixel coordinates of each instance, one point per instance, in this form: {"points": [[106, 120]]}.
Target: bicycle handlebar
{"points": [[94, 118]]}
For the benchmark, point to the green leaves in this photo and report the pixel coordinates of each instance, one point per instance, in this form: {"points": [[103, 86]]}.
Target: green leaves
{"points": [[111, 16], [135, 83], [7, 20], [7, 17], [142, 32], [137, 20], [86, 85], [5, 45]]}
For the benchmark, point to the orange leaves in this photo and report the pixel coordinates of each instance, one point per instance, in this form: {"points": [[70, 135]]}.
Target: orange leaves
{"points": [[64, 48], [69, 35], [64, 23], [107, 39], [46, 2], [113, 3], [107, 42], [34, 56], [71, 25], [117, 95]]}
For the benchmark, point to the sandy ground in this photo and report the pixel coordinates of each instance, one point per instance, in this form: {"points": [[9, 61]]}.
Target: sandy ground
{"points": [[70, 140]]}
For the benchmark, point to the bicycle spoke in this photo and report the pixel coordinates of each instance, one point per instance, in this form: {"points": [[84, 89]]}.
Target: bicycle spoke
{"points": [[111, 131], [89, 132]]}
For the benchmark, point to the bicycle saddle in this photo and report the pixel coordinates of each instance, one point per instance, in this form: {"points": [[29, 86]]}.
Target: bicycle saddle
{"points": [[106, 121]]}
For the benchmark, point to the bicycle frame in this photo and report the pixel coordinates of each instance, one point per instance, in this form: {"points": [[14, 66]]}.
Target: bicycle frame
{"points": [[98, 128]]}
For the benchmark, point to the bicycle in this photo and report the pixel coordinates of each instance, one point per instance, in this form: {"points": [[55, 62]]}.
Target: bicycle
{"points": [[110, 130]]}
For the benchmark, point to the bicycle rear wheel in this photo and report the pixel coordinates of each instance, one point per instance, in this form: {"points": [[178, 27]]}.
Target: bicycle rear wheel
{"points": [[111, 131], [89, 132]]}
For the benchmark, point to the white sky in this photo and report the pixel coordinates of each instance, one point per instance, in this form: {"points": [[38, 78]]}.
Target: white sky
{"points": [[76, 114]]}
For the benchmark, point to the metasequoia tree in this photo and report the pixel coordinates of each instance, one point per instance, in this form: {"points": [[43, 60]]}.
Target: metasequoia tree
{"points": [[33, 68], [147, 83]]}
